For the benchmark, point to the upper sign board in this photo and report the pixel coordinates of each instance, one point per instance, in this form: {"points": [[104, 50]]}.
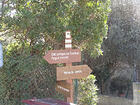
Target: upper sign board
{"points": [[63, 56]]}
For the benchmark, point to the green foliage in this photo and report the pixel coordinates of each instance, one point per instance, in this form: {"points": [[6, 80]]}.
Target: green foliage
{"points": [[88, 91], [38, 20], [25, 76], [122, 43], [36, 26], [121, 47]]}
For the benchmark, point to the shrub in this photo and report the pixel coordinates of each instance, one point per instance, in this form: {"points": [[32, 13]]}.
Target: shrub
{"points": [[87, 91], [24, 76]]}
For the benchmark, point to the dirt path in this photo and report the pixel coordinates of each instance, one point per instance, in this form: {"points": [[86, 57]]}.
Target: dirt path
{"points": [[108, 100]]}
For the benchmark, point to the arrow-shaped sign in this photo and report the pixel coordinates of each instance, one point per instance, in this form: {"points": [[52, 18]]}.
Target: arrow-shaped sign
{"points": [[72, 72], [63, 87], [63, 56]]}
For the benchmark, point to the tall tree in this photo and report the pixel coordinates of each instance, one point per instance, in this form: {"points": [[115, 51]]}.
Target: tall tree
{"points": [[31, 27], [43, 22]]}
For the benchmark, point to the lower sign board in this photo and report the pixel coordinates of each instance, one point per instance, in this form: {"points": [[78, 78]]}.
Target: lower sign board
{"points": [[72, 72], [63, 87]]}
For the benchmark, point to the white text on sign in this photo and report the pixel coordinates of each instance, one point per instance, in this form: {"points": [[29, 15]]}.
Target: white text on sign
{"points": [[56, 56], [62, 88], [73, 72]]}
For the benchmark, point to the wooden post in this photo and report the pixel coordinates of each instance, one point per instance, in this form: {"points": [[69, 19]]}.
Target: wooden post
{"points": [[70, 99], [68, 45]]}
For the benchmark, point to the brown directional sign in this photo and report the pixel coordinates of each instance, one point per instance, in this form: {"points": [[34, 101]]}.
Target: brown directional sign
{"points": [[72, 72], [63, 87], [63, 56]]}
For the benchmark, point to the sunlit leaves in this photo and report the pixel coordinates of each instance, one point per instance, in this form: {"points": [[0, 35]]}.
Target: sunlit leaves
{"points": [[39, 25], [36, 19], [87, 91], [90, 4]]}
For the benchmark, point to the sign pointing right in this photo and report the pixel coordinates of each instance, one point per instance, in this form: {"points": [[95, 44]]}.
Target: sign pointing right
{"points": [[72, 72]]}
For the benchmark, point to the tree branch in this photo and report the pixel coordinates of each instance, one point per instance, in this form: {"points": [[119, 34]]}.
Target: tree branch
{"points": [[5, 33]]}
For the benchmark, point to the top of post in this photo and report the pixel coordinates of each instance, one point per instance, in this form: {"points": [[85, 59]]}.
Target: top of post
{"points": [[68, 40], [67, 34]]}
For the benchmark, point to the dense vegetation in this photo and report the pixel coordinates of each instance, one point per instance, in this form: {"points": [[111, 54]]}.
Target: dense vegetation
{"points": [[29, 28], [88, 91], [121, 47]]}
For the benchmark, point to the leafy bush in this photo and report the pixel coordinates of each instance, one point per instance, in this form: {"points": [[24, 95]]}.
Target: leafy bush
{"points": [[87, 91], [45, 21], [25, 76], [38, 26]]}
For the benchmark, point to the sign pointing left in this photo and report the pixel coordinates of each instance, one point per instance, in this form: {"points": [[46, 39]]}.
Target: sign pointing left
{"points": [[63, 56]]}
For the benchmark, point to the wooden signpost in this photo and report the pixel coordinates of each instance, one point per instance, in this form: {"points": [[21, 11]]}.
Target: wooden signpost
{"points": [[65, 74], [72, 72]]}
